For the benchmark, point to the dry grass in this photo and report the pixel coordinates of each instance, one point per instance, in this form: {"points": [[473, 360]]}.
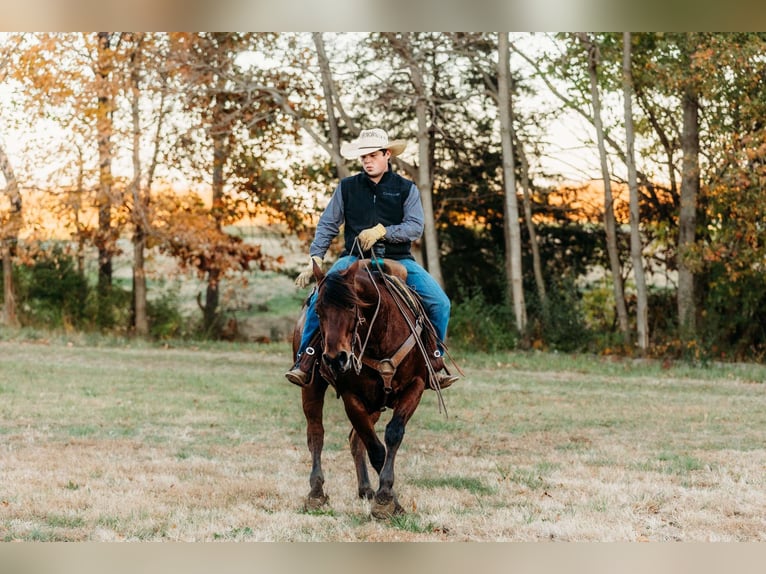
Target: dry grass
{"points": [[110, 443]]}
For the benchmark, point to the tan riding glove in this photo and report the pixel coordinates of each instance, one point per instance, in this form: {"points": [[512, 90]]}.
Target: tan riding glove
{"points": [[368, 237], [305, 276]]}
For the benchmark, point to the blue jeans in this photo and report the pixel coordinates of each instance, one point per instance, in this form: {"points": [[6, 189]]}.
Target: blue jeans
{"points": [[435, 300]]}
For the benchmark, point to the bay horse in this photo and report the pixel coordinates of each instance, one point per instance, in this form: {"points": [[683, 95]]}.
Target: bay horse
{"points": [[373, 352]]}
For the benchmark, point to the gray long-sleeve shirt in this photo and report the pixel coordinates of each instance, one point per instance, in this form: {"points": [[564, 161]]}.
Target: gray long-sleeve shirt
{"points": [[330, 222]]}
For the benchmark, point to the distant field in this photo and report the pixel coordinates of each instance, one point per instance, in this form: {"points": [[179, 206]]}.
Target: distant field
{"points": [[127, 441], [264, 304]]}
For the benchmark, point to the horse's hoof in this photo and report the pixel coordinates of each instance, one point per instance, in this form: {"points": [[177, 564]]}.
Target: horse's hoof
{"points": [[366, 493], [315, 502], [385, 509]]}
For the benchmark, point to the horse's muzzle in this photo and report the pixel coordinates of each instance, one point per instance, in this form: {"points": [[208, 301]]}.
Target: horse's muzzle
{"points": [[340, 363]]}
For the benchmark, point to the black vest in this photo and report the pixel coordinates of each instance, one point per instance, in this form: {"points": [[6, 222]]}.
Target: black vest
{"points": [[366, 204]]}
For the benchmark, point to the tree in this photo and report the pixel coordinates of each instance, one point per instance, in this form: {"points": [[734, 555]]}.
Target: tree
{"points": [[668, 72], [10, 223], [332, 103], [204, 62], [534, 242], [106, 236], [642, 326], [480, 49], [404, 47], [73, 79], [511, 211], [238, 122], [687, 215], [610, 225], [147, 56], [728, 254], [319, 115], [578, 85]]}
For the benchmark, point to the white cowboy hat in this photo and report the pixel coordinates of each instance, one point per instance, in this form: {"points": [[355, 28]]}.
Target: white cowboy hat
{"points": [[370, 141]]}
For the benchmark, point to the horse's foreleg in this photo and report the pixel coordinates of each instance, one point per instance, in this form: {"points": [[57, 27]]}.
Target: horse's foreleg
{"points": [[313, 404], [364, 429], [385, 503]]}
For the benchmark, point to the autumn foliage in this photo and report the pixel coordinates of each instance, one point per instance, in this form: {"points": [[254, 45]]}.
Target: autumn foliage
{"points": [[167, 141], [183, 228]]}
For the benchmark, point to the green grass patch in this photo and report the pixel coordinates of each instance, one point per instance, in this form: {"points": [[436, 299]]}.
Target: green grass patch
{"points": [[472, 485], [82, 431], [324, 511], [411, 523], [672, 463], [529, 478], [64, 521], [234, 534]]}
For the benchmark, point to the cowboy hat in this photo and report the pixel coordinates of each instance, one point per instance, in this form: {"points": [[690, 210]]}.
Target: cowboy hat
{"points": [[370, 141]]}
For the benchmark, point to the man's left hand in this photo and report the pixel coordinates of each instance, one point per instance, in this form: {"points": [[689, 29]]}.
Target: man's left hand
{"points": [[368, 237]]}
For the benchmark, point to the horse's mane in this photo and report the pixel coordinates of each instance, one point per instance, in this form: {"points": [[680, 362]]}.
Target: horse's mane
{"points": [[338, 291]]}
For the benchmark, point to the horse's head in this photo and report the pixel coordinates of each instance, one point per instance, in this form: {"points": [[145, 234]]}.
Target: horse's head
{"points": [[337, 306]]}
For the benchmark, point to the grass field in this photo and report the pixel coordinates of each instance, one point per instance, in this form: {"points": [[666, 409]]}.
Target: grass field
{"points": [[128, 441]]}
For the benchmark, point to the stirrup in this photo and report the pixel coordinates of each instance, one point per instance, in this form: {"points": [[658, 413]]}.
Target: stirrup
{"points": [[297, 377], [445, 379]]}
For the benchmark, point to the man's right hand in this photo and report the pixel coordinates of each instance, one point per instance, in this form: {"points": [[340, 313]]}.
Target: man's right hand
{"points": [[305, 276]]}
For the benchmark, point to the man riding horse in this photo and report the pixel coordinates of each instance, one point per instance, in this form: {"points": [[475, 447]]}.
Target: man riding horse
{"points": [[375, 206]]}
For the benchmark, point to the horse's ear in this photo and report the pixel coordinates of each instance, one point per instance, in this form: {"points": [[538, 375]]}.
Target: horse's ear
{"points": [[352, 272], [353, 268], [318, 274]]}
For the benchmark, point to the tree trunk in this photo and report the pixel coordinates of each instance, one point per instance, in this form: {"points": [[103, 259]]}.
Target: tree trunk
{"points": [[636, 247], [425, 184], [211, 323], [687, 218], [140, 318], [140, 313], [537, 265], [10, 319], [610, 224], [330, 98], [8, 240], [511, 208], [76, 204], [104, 133]]}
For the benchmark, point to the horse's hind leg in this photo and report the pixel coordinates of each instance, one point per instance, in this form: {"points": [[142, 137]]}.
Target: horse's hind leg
{"points": [[385, 503], [359, 454], [363, 433], [313, 403]]}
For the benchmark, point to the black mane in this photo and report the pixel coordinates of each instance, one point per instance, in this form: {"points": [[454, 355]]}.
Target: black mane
{"points": [[338, 291]]}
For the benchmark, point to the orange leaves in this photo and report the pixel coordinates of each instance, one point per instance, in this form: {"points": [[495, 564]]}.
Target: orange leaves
{"points": [[183, 227], [703, 57], [754, 153]]}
